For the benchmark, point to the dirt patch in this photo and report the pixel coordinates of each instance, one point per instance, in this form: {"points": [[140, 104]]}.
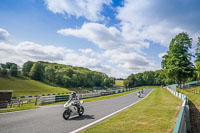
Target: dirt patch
{"points": [[194, 118], [142, 123], [142, 116]]}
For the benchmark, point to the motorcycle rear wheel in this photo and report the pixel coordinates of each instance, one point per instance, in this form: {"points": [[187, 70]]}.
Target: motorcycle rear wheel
{"points": [[66, 114]]}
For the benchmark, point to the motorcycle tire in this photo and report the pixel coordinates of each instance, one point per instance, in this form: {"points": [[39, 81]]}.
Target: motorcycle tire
{"points": [[81, 111], [66, 114]]}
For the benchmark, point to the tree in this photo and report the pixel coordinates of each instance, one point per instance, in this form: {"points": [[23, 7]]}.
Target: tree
{"points": [[27, 67], [148, 77], [13, 70], [37, 71], [197, 61], [4, 70], [177, 62]]}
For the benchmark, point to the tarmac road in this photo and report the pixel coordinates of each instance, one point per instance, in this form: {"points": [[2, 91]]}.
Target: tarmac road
{"points": [[48, 119]]}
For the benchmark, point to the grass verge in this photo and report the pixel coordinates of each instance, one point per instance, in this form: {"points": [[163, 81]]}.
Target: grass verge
{"points": [[156, 113], [16, 108]]}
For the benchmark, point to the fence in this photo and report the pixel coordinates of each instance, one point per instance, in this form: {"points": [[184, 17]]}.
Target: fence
{"points": [[183, 120], [194, 91]]}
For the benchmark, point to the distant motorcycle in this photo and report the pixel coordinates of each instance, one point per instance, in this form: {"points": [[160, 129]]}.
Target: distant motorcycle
{"points": [[73, 108], [139, 94]]}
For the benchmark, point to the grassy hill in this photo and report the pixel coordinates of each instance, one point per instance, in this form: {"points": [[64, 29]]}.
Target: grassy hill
{"points": [[119, 82], [27, 87]]}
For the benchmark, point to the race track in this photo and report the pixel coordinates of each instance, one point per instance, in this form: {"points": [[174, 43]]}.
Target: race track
{"points": [[48, 119]]}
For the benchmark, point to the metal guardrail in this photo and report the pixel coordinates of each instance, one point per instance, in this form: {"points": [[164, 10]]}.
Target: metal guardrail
{"points": [[60, 98], [183, 120]]}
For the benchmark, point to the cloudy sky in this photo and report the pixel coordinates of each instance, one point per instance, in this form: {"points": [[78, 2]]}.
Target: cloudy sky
{"points": [[117, 37]]}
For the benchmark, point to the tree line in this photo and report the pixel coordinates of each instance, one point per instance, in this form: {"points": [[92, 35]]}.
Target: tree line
{"points": [[59, 74], [177, 65], [9, 68]]}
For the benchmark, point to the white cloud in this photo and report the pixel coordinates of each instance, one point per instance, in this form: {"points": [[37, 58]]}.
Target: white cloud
{"points": [[120, 49], [90, 9], [131, 62], [106, 37], [3, 35], [159, 21], [87, 51]]}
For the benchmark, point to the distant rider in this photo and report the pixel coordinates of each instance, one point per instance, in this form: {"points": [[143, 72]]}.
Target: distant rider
{"points": [[139, 93]]}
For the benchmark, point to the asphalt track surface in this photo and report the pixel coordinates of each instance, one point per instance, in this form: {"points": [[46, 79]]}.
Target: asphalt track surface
{"points": [[48, 119]]}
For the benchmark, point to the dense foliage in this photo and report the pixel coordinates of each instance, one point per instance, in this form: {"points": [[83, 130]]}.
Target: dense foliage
{"points": [[177, 62], [65, 75], [9, 69], [146, 78]]}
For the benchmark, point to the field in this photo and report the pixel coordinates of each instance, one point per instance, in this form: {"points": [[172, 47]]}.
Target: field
{"points": [[156, 113], [26, 87], [119, 82]]}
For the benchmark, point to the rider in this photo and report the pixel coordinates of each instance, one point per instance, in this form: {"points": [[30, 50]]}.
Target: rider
{"points": [[76, 100]]}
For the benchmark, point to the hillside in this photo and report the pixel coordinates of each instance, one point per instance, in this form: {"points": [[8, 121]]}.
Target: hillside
{"points": [[27, 87], [119, 82]]}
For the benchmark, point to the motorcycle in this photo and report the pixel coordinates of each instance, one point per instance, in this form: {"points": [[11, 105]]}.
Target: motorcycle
{"points": [[73, 108], [139, 94]]}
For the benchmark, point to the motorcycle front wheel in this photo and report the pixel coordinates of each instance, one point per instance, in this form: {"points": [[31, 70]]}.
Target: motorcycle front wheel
{"points": [[81, 111], [66, 114]]}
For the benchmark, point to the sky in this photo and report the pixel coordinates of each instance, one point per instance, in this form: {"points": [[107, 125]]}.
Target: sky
{"points": [[117, 37]]}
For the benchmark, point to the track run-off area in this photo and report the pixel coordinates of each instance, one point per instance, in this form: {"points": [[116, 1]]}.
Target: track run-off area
{"points": [[49, 118]]}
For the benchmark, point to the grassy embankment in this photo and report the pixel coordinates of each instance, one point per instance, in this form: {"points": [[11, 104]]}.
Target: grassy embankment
{"points": [[119, 82], [27, 87], [156, 113], [22, 86], [194, 103]]}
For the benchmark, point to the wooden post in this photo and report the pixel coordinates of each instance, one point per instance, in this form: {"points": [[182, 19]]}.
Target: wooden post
{"points": [[36, 101]]}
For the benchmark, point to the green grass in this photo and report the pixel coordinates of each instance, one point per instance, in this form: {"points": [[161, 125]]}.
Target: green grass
{"points": [[156, 113], [26, 87], [119, 82], [194, 98], [16, 108]]}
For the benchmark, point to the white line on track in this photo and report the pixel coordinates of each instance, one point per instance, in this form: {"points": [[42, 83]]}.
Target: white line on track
{"points": [[101, 119]]}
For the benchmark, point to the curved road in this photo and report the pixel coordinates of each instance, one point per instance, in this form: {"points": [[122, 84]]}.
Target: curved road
{"points": [[48, 119]]}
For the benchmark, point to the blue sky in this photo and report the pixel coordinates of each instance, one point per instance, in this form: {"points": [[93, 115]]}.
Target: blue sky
{"points": [[117, 37]]}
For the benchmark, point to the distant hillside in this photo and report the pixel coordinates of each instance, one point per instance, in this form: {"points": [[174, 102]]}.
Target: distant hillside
{"points": [[119, 82], [27, 87], [66, 75]]}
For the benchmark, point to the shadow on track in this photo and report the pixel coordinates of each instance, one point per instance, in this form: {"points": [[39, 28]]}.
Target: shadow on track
{"points": [[83, 117]]}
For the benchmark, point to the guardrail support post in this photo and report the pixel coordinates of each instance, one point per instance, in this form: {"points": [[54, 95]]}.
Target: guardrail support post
{"points": [[36, 101]]}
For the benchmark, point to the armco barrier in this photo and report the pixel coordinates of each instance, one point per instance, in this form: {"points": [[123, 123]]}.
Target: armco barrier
{"points": [[183, 120], [47, 99], [60, 98]]}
